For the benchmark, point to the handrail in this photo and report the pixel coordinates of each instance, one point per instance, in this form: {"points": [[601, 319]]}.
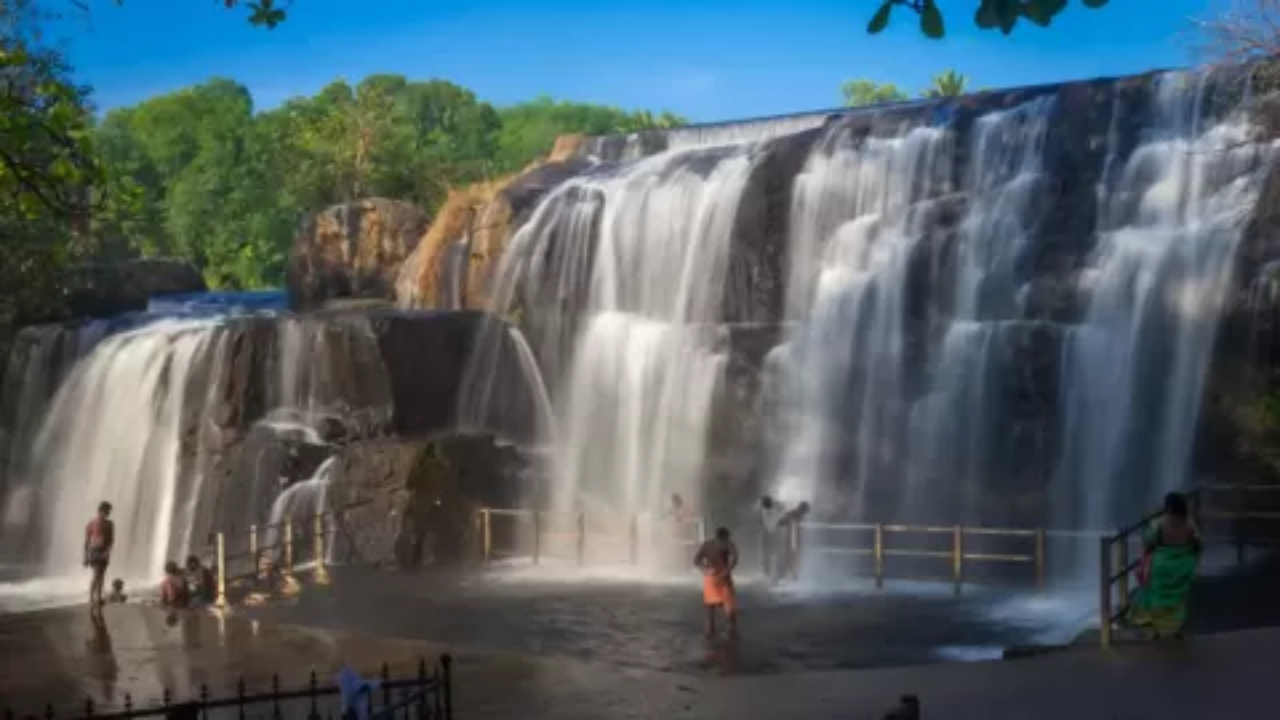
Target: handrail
{"points": [[282, 547], [580, 532], [1114, 548]]}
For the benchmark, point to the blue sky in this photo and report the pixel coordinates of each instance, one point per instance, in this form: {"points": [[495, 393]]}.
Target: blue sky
{"points": [[707, 59]]}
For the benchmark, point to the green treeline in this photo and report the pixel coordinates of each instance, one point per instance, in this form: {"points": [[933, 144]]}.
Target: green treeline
{"points": [[212, 181]]}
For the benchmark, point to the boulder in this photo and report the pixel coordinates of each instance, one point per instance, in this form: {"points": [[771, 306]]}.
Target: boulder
{"points": [[415, 503], [453, 268], [100, 290], [353, 251]]}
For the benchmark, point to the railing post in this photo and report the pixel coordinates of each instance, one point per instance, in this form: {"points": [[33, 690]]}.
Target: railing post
{"points": [[1104, 596], [486, 534], [582, 536], [1040, 559], [221, 559], [288, 546], [1122, 569], [255, 555], [957, 557], [879, 556], [537, 536], [793, 549], [633, 539], [317, 532]]}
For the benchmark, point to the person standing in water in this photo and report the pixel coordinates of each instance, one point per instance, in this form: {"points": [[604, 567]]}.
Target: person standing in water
{"points": [[771, 536], [717, 557], [99, 538]]}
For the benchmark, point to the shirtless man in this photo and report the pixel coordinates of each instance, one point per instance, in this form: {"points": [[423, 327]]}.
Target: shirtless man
{"points": [[99, 537], [717, 557]]}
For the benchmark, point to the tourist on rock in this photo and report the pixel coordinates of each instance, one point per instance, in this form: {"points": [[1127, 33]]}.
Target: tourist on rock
{"points": [[117, 595], [771, 537], [174, 593], [1171, 551], [717, 557], [99, 538], [201, 582]]}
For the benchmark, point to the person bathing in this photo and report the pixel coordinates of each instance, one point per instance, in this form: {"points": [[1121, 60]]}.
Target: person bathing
{"points": [[717, 557], [174, 593], [99, 538]]}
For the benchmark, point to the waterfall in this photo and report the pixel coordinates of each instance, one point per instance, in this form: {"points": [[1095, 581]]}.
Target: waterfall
{"points": [[859, 211], [300, 503], [1171, 219], [115, 431], [963, 429], [622, 270]]}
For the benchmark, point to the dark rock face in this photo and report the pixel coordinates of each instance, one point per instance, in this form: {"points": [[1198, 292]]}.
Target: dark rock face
{"points": [[416, 503], [102, 290], [353, 251]]}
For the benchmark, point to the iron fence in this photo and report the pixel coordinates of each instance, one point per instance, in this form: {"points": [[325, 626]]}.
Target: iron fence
{"points": [[426, 696]]}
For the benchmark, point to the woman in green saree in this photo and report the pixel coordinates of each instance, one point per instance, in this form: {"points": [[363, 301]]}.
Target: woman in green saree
{"points": [[1171, 550]]}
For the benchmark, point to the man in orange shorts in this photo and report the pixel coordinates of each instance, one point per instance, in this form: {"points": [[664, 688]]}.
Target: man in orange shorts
{"points": [[717, 557]]}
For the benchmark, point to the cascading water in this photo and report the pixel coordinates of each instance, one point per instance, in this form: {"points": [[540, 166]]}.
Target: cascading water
{"points": [[114, 432], [962, 431], [859, 211], [633, 265], [1171, 220]]}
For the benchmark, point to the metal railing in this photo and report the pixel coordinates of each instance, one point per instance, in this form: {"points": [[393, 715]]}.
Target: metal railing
{"points": [[1119, 560], [542, 527], [425, 696], [272, 552], [546, 532], [957, 552]]}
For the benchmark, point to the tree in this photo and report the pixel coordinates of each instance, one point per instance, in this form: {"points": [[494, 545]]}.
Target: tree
{"points": [[51, 182], [866, 92], [947, 84], [990, 14], [1249, 30]]}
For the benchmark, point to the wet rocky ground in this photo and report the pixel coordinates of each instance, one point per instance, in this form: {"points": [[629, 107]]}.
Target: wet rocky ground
{"points": [[61, 655], [628, 622]]}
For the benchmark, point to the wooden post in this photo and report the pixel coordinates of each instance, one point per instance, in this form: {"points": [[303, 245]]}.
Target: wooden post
{"points": [[633, 538], [486, 534], [879, 556], [255, 554], [537, 536], [1104, 591], [582, 536], [317, 543], [288, 546], [1121, 568], [957, 557], [221, 601], [1040, 559]]}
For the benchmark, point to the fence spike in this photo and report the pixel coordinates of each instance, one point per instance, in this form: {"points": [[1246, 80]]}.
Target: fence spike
{"points": [[312, 688], [48, 711], [8, 713], [446, 664], [275, 695], [128, 704], [204, 697], [422, 686], [386, 685], [88, 707], [164, 698], [240, 697]]}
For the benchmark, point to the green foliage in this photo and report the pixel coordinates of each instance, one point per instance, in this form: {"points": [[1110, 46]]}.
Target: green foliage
{"points": [[989, 15], [866, 92], [224, 187], [51, 182], [947, 84]]}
